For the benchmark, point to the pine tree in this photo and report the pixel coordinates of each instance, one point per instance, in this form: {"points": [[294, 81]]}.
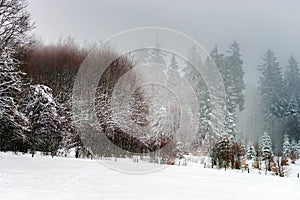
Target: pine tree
{"points": [[286, 147], [298, 150], [232, 73], [266, 149], [292, 97], [271, 85], [266, 145], [292, 78], [42, 112], [174, 83], [250, 151], [222, 151], [157, 55], [13, 122], [179, 150], [191, 73], [235, 67], [273, 98]]}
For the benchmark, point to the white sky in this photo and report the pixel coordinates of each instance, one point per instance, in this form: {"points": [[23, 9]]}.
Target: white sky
{"points": [[256, 25]]}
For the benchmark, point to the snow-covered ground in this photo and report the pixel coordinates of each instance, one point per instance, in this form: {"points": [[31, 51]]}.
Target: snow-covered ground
{"points": [[23, 177]]}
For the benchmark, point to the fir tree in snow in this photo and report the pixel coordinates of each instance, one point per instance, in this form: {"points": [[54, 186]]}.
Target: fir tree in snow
{"points": [[292, 97], [235, 68], [42, 112], [13, 123], [271, 85], [273, 99], [266, 145], [266, 149], [232, 74], [179, 150], [298, 149], [223, 151], [286, 147], [293, 153], [203, 98], [157, 55], [250, 151], [292, 78], [175, 84]]}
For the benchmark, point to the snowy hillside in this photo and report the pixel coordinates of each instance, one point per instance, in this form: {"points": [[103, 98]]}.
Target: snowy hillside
{"points": [[23, 177]]}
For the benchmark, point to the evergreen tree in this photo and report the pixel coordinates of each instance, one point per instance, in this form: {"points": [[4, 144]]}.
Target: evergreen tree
{"points": [[266, 145], [42, 112], [232, 73], [292, 98], [298, 149], [286, 147], [175, 84], [250, 151], [235, 68], [273, 98], [200, 89], [271, 85], [158, 56], [179, 150], [13, 122], [292, 78], [223, 151], [266, 150]]}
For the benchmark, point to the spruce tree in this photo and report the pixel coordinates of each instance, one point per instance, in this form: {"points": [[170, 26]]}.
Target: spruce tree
{"points": [[231, 69], [42, 111], [250, 151], [271, 86], [266, 149], [286, 147]]}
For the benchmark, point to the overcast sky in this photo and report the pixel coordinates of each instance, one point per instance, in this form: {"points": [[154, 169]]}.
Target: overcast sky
{"points": [[255, 24]]}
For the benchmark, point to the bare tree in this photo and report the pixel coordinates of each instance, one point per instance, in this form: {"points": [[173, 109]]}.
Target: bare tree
{"points": [[14, 23]]}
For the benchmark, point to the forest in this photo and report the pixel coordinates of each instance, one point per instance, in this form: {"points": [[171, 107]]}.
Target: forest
{"points": [[38, 109]]}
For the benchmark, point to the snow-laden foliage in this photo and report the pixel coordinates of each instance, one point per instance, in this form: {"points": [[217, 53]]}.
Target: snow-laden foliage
{"points": [[231, 70], [286, 147], [13, 123], [42, 111], [251, 153], [266, 145]]}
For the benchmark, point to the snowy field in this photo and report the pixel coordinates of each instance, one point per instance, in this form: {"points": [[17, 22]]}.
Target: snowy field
{"points": [[23, 177]]}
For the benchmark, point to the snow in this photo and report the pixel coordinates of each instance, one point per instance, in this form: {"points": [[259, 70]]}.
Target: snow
{"points": [[42, 177]]}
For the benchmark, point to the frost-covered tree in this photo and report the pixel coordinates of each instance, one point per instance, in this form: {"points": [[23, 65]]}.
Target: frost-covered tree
{"points": [[13, 122], [251, 153], [293, 153], [266, 149], [298, 150], [222, 153], [286, 147], [174, 83], [271, 89], [271, 85], [14, 23], [179, 150], [157, 55], [42, 111], [234, 66], [204, 112], [292, 97], [231, 69]]}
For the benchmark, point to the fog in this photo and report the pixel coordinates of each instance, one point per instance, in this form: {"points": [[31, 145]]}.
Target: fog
{"points": [[256, 25]]}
